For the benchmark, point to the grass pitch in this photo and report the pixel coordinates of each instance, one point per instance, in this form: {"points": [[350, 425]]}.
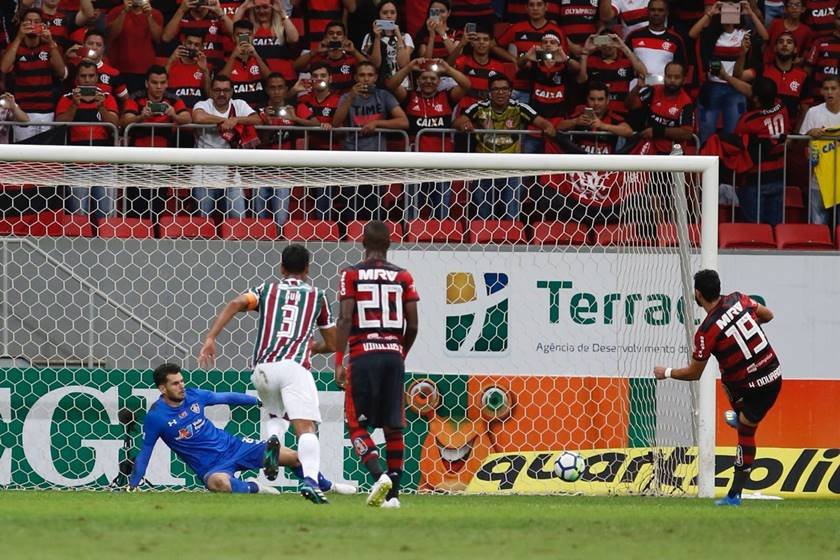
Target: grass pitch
{"points": [[184, 526]]}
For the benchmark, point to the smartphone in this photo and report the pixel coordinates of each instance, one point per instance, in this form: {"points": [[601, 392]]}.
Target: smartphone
{"points": [[191, 53], [602, 41], [3, 102], [470, 28], [386, 24], [322, 84], [730, 13], [38, 28], [138, 3], [243, 38], [715, 67], [157, 108], [91, 53], [334, 45], [88, 91], [589, 112], [654, 80], [434, 14], [543, 56]]}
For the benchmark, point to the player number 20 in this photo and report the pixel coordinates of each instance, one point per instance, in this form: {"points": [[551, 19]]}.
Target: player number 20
{"points": [[742, 331], [380, 298]]}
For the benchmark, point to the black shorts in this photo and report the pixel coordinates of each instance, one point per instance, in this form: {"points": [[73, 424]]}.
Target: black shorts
{"points": [[376, 391], [754, 403]]}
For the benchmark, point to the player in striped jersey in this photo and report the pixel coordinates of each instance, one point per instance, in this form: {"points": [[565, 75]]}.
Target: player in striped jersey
{"points": [[749, 368], [289, 311]]}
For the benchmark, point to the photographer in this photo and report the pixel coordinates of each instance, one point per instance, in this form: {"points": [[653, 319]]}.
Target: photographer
{"points": [[205, 17], [338, 53], [607, 59], [246, 67], [134, 30], [189, 75]]}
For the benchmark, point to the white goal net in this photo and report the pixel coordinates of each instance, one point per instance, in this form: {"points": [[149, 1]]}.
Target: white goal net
{"points": [[550, 286]]}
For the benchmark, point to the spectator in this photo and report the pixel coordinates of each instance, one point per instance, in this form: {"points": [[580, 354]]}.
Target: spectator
{"points": [[519, 10], [549, 69], [9, 111], [154, 105], [368, 108], [824, 58], [479, 12], [792, 24], [35, 60], [275, 35], [655, 44], [316, 107], [58, 21], [611, 63], [499, 198], [477, 64], [819, 17], [578, 20], [761, 195], [229, 115], [87, 103], [273, 202], [820, 122], [207, 18], [633, 14], [93, 49], [663, 113], [338, 53], [436, 39], [596, 116], [720, 46], [319, 15], [246, 68], [429, 107], [388, 49], [520, 37], [134, 29], [187, 68]]}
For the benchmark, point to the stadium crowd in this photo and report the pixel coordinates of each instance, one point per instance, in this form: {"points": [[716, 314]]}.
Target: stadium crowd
{"points": [[584, 76]]}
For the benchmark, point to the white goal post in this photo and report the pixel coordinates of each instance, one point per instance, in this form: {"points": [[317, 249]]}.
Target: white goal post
{"points": [[170, 167]]}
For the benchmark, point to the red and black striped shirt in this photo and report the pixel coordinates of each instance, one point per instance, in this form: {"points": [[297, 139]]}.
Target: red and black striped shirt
{"points": [[310, 108], [465, 9], [247, 81], [617, 74], [214, 37], [523, 36], [669, 111], [790, 86], [186, 82], [341, 70], [819, 16], [824, 59], [34, 79], [87, 111], [548, 90], [164, 137], [318, 13], [278, 57], [767, 152], [439, 50], [59, 26], [517, 10], [430, 112], [479, 75], [731, 333], [578, 19]]}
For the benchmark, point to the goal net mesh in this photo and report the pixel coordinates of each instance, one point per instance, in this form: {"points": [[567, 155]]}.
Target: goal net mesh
{"points": [[546, 300]]}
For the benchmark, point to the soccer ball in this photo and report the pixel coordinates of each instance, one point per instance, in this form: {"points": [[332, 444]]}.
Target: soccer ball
{"points": [[569, 466]]}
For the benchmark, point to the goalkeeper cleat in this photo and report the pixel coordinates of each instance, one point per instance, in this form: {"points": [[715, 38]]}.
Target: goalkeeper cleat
{"points": [[309, 489], [729, 501], [337, 487], [263, 488], [271, 459], [731, 418], [393, 503], [379, 490]]}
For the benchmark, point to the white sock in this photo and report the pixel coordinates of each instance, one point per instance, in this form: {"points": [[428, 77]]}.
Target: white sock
{"points": [[309, 453], [275, 427]]}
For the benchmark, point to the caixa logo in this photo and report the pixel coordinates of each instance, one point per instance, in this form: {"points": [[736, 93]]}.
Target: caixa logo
{"points": [[477, 317]]}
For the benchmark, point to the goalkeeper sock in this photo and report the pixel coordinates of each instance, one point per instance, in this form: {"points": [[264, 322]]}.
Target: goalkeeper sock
{"points": [[241, 487], [309, 453]]}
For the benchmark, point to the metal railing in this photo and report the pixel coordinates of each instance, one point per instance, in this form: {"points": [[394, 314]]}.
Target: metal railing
{"points": [[113, 130]]}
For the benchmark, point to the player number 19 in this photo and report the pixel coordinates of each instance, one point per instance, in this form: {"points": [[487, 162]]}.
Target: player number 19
{"points": [[742, 331]]}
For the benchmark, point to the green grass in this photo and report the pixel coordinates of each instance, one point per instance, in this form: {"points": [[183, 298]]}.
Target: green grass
{"points": [[183, 526]]}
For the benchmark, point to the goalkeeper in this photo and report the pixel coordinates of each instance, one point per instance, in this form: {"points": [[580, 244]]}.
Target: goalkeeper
{"points": [[178, 418]]}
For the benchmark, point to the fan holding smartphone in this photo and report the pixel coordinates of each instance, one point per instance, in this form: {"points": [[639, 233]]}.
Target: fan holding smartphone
{"points": [[386, 45]]}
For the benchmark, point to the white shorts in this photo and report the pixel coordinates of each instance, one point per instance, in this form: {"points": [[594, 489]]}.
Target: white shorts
{"points": [[288, 388]]}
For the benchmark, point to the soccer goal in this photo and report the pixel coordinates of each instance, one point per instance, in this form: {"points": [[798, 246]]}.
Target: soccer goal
{"points": [[550, 286]]}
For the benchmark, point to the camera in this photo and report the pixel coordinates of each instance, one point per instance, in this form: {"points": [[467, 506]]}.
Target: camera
{"points": [[543, 56], [470, 28], [138, 3], [386, 24], [91, 53], [730, 13], [243, 38], [434, 14], [602, 41], [715, 67], [654, 80], [334, 45], [191, 53], [157, 108], [88, 91]]}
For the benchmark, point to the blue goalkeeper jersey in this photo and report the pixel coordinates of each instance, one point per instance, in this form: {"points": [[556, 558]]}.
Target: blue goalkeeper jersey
{"points": [[188, 432]]}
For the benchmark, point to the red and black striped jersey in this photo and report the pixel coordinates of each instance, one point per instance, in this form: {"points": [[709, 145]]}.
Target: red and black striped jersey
{"points": [[109, 77], [380, 290], [87, 111], [479, 75], [308, 108], [617, 74], [214, 37], [465, 9], [34, 81], [819, 16], [186, 82], [439, 50], [59, 25], [597, 144], [578, 19], [247, 81], [656, 49], [163, 137], [790, 86], [824, 60], [767, 152], [279, 57], [548, 89], [523, 36], [317, 14], [669, 111], [341, 70], [517, 10], [731, 333], [430, 112]]}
